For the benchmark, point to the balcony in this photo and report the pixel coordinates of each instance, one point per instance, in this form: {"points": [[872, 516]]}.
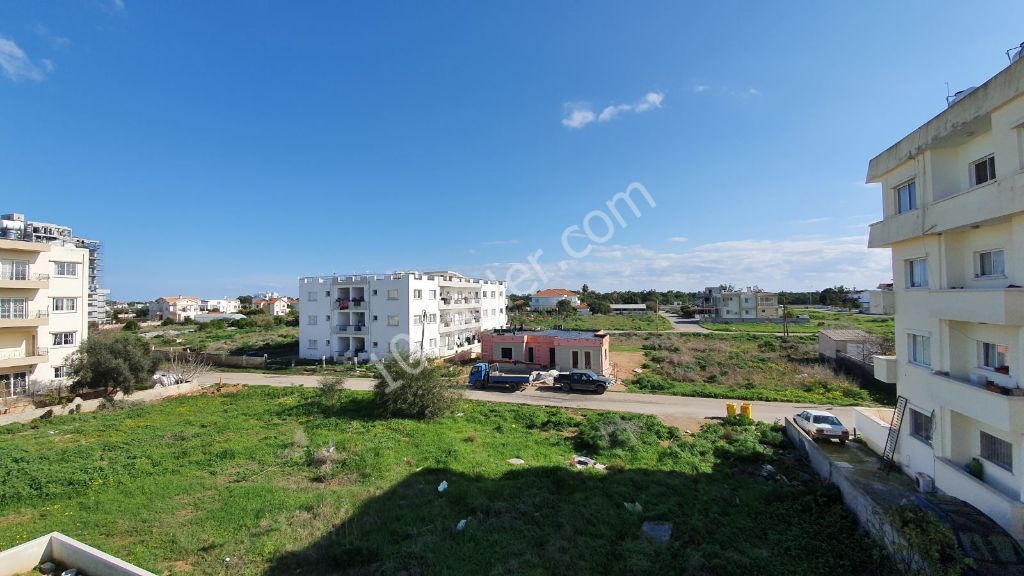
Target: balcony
{"points": [[354, 328], [23, 246], [990, 306], [1007, 511], [24, 281], [27, 319], [448, 302], [976, 401], [12, 357], [989, 202]]}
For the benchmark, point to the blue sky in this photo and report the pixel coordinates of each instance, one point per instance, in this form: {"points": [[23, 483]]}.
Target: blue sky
{"points": [[220, 148]]}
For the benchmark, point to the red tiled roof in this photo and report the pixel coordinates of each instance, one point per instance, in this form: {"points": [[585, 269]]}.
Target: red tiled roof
{"points": [[555, 292]]}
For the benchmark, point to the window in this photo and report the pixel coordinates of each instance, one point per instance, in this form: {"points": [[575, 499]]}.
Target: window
{"points": [[327, 344], [311, 319], [506, 353], [374, 317], [14, 384], [983, 170], [433, 294], [66, 269], [63, 338], [991, 263], [994, 357], [586, 359], [417, 320], [433, 343], [921, 426], [375, 344], [327, 318], [64, 304], [920, 349], [392, 293], [374, 291], [311, 297], [392, 320], [485, 313], [432, 319], [13, 308], [13, 270], [575, 358], [917, 273], [61, 372], [997, 451], [906, 197], [417, 294]]}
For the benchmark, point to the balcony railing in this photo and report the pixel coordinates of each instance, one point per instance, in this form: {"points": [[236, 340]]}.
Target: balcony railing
{"points": [[359, 328], [19, 353], [17, 275], [23, 314]]}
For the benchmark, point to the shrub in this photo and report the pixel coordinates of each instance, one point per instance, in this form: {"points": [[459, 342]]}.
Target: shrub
{"points": [[212, 325], [130, 326], [611, 431], [425, 390], [167, 322], [922, 544], [118, 361], [332, 387]]}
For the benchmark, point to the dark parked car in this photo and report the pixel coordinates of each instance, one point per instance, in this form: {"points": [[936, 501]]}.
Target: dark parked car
{"points": [[583, 380], [990, 549]]}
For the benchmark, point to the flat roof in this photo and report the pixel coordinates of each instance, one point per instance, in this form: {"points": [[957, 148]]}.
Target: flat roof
{"points": [[846, 334], [557, 333]]}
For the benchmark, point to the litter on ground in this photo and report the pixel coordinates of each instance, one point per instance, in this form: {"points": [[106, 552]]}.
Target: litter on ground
{"points": [[461, 525], [581, 462], [658, 531], [516, 461], [442, 486]]}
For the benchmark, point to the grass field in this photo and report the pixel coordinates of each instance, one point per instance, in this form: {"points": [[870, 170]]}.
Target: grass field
{"points": [[277, 341], [883, 326], [230, 484], [593, 322], [744, 367]]}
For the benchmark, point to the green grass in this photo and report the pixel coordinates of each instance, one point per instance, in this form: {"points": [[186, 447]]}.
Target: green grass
{"points": [[277, 341], [184, 485], [883, 326], [650, 322], [746, 367]]}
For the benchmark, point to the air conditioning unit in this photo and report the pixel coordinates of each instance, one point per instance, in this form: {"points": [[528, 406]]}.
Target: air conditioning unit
{"points": [[979, 379], [925, 483]]}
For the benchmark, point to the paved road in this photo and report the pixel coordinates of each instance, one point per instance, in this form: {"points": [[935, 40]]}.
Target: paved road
{"points": [[684, 325], [686, 413]]}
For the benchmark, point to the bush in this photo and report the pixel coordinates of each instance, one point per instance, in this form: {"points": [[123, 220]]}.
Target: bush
{"points": [[332, 388], [212, 325], [425, 391], [167, 322], [118, 361], [612, 431], [130, 326]]}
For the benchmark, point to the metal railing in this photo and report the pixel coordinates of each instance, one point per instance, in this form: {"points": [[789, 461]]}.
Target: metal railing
{"points": [[18, 353], [24, 314], [28, 277]]}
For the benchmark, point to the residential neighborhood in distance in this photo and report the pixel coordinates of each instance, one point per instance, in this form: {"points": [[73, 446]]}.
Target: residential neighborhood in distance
{"points": [[582, 314]]}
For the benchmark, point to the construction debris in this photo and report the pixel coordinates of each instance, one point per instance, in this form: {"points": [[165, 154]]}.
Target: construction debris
{"points": [[658, 531], [581, 462]]}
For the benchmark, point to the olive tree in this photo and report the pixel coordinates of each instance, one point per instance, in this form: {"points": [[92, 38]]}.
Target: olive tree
{"points": [[414, 387], [116, 361]]}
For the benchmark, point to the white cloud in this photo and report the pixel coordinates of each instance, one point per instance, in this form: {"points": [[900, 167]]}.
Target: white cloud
{"points": [[580, 114], [54, 40], [17, 66], [701, 88], [679, 239], [817, 220], [790, 264], [501, 242], [117, 5], [753, 92]]}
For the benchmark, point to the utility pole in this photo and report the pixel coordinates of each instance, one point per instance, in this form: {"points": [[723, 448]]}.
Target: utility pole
{"points": [[785, 315]]}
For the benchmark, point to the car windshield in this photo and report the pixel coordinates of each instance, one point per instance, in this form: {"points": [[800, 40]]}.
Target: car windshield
{"points": [[991, 548], [827, 420]]}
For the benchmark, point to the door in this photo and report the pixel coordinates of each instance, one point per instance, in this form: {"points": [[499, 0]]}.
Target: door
{"points": [[551, 358], [575, 358], [586, 360], [529, 354]]}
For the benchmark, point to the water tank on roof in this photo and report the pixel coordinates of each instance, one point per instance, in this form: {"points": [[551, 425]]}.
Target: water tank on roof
{"points": [[950, 100], [1016, 55]]}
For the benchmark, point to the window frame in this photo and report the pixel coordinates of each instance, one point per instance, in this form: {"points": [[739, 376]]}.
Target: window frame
{"points": [[915, 432], [417, 294], [62, 308], [983, 356], [912, 200], [989, 162], [910, 272], [979, 260], [394, 320], [502, 353], [925, 348], [997, 448], [393, 294], [64, 337], [57, 264]]}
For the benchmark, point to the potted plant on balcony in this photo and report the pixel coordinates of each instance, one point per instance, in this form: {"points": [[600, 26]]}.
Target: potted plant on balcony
{"points": [[975, 468]]}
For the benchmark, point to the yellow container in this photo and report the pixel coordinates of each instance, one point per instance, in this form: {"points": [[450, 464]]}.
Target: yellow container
{"points": [[730, 409], [747, 410]]}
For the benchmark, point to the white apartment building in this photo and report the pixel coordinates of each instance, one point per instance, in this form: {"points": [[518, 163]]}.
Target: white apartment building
{"points": [[223, 305], [44, 299], [434, 313], [953, 205], [748, 304]]}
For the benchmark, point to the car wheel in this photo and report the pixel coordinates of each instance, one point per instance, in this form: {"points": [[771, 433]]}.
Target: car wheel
{"points": [[566, 387], [601, 388]]}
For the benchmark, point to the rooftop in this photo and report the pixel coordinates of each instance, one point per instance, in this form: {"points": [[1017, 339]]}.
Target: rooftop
{"points": [[555, 292], [846, 334]]}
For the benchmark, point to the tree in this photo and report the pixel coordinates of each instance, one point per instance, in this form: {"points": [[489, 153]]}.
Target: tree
{"points": [[116, 361], [245, 301], [599, 307], [142, 312], [565, 308], [585, 289], [186, 367], [416, 388], [130, 326]]}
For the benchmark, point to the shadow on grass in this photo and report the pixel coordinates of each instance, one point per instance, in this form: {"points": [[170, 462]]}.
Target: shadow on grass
{"points": [[549, 520]]}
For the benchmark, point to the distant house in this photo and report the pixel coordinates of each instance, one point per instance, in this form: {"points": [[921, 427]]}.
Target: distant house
{"points": [[275, 306], [177, 308], [630, 309], [750, 304], [583, 309], [548, 299], [881, 301], [856, 344], [223, 306], [561, 350]]}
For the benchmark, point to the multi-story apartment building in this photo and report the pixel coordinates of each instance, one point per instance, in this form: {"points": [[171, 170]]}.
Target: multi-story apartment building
{"points": [[953, 215], [44, 294], [748, 304], [433, 313]]}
